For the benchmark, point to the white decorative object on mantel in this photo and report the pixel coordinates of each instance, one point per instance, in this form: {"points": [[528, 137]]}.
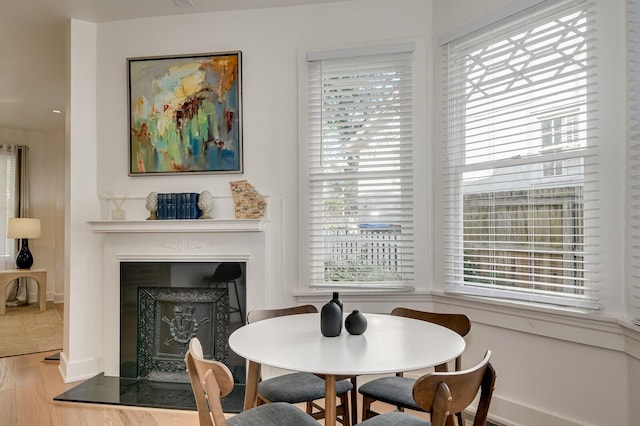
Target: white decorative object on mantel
{"points": [[152, 205], [205, 203], [118, 213]]}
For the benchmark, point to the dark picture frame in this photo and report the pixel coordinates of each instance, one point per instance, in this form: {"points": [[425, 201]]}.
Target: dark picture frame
{"points": [[185, 114]]}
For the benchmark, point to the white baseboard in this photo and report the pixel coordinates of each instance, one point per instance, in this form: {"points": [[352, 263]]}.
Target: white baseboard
{"points": [[79, 370], [502, 409]]}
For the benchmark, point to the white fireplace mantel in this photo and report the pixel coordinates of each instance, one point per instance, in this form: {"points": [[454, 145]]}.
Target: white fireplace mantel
{"points": [[178, 226], [183, 240]]}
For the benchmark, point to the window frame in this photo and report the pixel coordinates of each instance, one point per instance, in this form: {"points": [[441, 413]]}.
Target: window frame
{"points": [[458, 287], [633, 164]]}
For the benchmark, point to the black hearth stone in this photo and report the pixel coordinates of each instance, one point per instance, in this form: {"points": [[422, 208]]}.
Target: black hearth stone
{"points": [[103, 389]]}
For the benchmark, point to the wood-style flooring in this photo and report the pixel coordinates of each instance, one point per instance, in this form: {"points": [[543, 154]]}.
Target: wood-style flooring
{"points": [[28, 385]]}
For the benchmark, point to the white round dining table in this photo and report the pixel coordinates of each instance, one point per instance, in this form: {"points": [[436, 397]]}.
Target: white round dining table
{"points": [[390, 344]]}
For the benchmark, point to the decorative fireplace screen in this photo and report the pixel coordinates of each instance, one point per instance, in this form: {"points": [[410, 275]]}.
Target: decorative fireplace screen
{"points": [[168, 318]]}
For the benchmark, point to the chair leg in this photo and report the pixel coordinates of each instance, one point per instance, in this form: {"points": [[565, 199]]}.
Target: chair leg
{"points": [[354, 401], [366, 408], [310, 407], [235, 288], [344, 403]]}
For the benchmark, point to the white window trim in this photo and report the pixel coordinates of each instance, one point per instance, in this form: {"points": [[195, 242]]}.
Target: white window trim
{"points": [[633, 162]]}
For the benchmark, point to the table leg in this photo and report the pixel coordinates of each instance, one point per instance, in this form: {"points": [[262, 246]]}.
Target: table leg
{"points": [[251, 389], [330, 400]]}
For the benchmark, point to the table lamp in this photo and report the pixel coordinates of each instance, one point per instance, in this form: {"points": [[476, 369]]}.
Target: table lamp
{"points": [[24, 228]]}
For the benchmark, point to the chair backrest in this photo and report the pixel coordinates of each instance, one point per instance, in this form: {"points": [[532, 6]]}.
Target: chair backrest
{"points": [[263, 314], [460, 387], [212, 393], [459, 323], [210, 411], [227, 271]]}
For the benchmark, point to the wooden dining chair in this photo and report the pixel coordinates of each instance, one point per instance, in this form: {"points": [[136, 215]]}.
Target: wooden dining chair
{"points": [[442, 394], [211, 380], [397, 390], [300, 387]]}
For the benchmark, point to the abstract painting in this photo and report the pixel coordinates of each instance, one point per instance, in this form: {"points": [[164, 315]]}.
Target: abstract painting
{"points": [[185, 114]]}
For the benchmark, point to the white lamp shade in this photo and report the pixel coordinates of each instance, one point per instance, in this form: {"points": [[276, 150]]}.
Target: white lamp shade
{"points": [[22, 227]]}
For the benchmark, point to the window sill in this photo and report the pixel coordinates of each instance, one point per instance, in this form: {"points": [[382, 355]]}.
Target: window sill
{"points": [[586, 327], [568, 324]]}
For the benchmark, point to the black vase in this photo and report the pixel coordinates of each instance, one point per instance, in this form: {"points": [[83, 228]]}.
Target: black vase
{"points": [[24, 260], [336, 300], [355, 323], [331, 320]]}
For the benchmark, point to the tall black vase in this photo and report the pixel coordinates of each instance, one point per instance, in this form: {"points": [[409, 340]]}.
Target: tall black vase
{"points": [[331, 320], [336, 300]]}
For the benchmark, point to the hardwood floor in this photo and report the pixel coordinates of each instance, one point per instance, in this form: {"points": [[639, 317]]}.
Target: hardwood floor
{"points": [[28, 385]]}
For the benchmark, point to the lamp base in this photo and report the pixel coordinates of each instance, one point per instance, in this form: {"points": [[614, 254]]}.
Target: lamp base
{"points": [[24, 259]]}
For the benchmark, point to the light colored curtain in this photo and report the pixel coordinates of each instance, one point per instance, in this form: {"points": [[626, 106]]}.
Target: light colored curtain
{"points": [[8, 160], [15, 203]]}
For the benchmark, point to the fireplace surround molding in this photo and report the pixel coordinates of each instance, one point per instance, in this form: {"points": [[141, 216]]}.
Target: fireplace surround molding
{"points": [[173, 241]]}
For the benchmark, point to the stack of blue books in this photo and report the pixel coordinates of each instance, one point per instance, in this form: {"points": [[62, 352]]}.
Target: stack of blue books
{"points": [[178, 205]]}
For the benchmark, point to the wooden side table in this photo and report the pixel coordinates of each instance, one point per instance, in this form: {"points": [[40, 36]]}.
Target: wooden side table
{"points": [[10, 275]]}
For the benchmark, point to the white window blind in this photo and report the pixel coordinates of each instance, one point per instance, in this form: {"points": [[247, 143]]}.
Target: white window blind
{"points": [[360, 168], [633, 175], [520, 155]]}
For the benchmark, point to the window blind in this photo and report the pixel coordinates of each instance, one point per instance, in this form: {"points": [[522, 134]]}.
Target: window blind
{"points": [[633, 147], [521, 159], [360, 168]]}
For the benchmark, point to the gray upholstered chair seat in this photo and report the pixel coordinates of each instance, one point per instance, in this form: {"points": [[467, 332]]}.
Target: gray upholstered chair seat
{"points": [[298, 387], [398, 391], [276, 414], [392, 390], [395, 418]]}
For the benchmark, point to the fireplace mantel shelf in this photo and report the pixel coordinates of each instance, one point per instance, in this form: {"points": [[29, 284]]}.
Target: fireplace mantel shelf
{"points": [[182, 225]]}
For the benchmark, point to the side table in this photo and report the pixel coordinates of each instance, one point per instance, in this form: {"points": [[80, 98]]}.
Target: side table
{"points": [[9, 275]]}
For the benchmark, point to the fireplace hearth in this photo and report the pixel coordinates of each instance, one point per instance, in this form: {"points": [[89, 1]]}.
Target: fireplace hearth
{"points": [[162, 306]]}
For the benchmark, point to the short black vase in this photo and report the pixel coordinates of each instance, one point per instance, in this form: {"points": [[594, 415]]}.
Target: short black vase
{"points": [[355, 323], [331, 320]]}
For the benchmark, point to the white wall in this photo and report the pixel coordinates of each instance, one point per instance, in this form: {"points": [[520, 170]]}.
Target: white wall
{"points": [[83, 319], [551, 365], [270, 40]]}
